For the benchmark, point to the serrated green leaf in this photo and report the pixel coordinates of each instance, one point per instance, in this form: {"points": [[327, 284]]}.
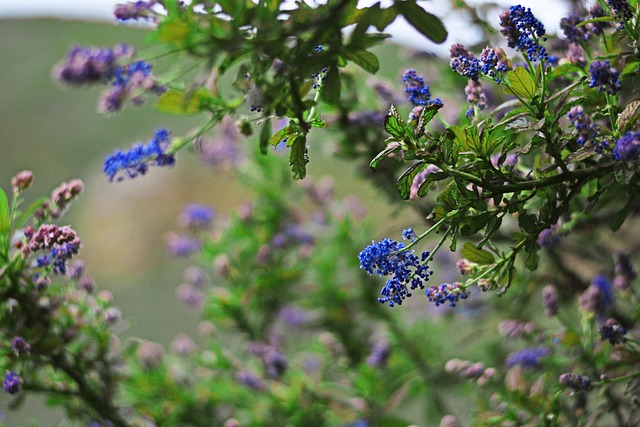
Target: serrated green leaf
{"points": [[429, 182], [521, 83], [277, 137], [427, 113], [5, 215], [406, 179], [364, 59], [394, 124], [381, 155], [479, 256], [298, 158], [426, 23], [629, 118]]}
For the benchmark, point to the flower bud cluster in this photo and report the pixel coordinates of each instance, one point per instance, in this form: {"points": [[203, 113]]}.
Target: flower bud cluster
{"points": [[469, 370], [575, 381], [59, 243]]}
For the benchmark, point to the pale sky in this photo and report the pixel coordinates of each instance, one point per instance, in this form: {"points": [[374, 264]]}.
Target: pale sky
{"points": [[548, 11]]}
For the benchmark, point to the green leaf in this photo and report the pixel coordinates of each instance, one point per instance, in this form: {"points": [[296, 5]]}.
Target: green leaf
{"points": [[406, 179], [174, 32], [430, 180], [331, 86], [628, 119], [479, 256], [426, 23], [299, 158], [527, 223], [616, 221], [531, 261], [521, 83], [5, 216], [428, 113], [265, 137], [364, 59], [394, 124], [317, 122], [180, 103], [381, 155]]}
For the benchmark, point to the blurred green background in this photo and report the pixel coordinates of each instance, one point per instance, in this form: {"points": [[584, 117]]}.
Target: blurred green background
{"points": [[58, 134]]}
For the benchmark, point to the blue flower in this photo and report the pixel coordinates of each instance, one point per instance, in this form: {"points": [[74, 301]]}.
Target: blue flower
{"points": [[572, 32], [523, 30], [446, 293], [12, 383], [389, 258], [604, 77], [527, 358], [621, 11], [137, 159], [133, 10], [415, 87], [575, 381], [587, 130], [408, 234], [613, 332], [627, 147]]}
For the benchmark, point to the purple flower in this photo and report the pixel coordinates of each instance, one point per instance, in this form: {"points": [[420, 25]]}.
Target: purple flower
{"points": [[621, 11], [12, 383], [463, 62], [137, 159], [550, 300], [628, 147], [587, 130], [475, 94], [250, 380], [22, 180], [181, 246], [197, 217], [576, 55], [134, 10], [613, 332], [492, 62], [596, 11], [60, 244], [598, 297], [379, 356], [572, 32], [20, 346], [527, 358], [604, 77], [549, 238], [87, 65], [523, 30], [190, 296]]}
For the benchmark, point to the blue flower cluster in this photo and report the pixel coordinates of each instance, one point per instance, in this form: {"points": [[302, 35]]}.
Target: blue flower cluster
{"points": [[390, 258], [87, 65], [628, 147], [523, 30], [446, 293], [196, 217], [137, 159], [415, 87], [491, 62], [12, 383], [572, 32], [604, 77], [527, 357], [621, 11], [613, 332], [587, 130]]}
